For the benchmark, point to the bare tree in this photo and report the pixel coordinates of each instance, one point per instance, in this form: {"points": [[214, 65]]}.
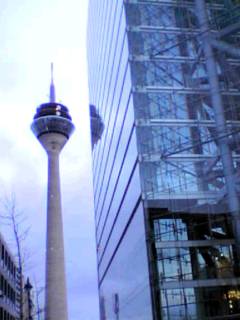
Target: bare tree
{"points": [[39, 309], [15, 219]]}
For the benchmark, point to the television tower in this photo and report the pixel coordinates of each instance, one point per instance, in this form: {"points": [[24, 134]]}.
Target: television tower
{"points": [[52, 125]]}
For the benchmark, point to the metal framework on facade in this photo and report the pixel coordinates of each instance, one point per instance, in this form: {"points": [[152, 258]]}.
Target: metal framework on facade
{"points": [[185, 59]]}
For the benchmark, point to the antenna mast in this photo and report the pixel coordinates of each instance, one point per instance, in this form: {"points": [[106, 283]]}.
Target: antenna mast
{"points": [[52, 87]]}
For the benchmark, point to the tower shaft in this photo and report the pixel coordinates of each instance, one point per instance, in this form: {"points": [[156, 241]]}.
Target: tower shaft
{"points": [[55, 297]]}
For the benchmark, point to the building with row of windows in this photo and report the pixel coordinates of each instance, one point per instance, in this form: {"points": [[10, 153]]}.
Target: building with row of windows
{"points": [[9, 284], [164, 80]]}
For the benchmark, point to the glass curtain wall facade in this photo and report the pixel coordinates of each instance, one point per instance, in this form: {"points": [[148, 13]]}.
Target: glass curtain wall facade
{"points": [[164, 77], [119, 213]]}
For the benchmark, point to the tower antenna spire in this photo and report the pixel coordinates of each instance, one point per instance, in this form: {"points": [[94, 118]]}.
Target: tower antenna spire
{"points": [[52, 95]]}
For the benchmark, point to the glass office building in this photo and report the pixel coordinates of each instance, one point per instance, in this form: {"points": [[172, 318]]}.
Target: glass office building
{"points": [[164, 78]]}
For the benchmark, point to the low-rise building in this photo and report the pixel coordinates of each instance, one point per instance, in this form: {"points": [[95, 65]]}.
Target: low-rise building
{"points": [[9, 286]]}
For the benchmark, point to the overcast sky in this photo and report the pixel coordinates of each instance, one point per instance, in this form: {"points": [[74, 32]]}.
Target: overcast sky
{"points": [[32, 34]]}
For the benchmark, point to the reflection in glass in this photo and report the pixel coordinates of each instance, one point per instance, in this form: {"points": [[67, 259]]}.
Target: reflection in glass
{"points": [[191, 251]]}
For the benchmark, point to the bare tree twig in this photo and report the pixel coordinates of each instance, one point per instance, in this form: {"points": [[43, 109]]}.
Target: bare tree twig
{"points": [[15, 219]]}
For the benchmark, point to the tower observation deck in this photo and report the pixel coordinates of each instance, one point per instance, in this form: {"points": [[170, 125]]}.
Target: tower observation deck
{"points": [[52, 125], [52, 117], [97, 125]]}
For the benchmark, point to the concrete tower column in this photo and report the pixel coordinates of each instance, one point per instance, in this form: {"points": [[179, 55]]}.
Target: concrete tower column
{"points": [[55, 296], [52, 125]]}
